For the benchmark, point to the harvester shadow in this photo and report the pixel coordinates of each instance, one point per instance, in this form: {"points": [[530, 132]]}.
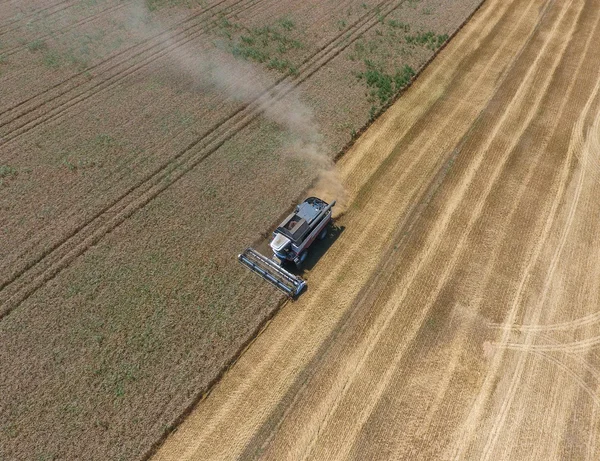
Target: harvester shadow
{"points": [[317, 250]]}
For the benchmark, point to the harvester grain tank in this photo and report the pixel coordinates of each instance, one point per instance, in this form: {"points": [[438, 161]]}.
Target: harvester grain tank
{"points": [[290, 243]]}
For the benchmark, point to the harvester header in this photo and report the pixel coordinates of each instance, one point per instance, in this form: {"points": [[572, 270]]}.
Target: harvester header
{"points": [[287, 282], [290, 243]]}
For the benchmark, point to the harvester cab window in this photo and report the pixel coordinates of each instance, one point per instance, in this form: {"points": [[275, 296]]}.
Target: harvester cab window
{"points": [[292, 223]]}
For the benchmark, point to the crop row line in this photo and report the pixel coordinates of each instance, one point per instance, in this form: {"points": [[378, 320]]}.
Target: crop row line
{"points": [[23, 257], [85, 92]]}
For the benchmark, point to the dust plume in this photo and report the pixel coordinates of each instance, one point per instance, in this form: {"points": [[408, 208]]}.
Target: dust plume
{"points": [[307, 144], [211, 67], [305, 140]]}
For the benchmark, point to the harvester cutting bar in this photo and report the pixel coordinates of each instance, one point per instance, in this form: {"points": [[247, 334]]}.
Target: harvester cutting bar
{"points": [[273, 273]]}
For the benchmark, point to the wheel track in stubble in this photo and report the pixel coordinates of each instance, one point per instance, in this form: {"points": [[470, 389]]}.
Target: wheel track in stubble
{"points": [[89, 233], [573, 356], [499, 421], [579, 376]]}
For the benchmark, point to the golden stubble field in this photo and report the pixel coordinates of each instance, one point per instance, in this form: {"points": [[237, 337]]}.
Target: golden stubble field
{"points": [[456, 316]]}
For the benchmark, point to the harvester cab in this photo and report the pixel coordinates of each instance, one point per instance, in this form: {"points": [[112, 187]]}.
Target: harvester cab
{"points": [[290, 243]]}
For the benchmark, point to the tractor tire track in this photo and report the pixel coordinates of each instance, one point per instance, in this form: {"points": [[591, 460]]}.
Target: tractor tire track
{"points": [[584, 345], [11, 51], [112, 81], [508, 397], [85, 89], [211, 131], [225, 119], [34, 14], [594, 395], [137, 49], [572, 355], [139, 195]]}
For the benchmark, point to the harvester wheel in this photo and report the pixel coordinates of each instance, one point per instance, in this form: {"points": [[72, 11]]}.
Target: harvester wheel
{"points": [[301, 259], [323, 234]]}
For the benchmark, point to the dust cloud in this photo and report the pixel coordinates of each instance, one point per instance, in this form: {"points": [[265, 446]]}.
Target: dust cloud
{"points": [[305, 140], [211, 69]]}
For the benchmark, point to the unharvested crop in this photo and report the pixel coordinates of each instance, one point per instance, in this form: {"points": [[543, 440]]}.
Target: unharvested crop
{"points": [[385, 86]]}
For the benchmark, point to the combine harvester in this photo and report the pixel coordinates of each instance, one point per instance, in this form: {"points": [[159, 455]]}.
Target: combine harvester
{"points": [[290, 243]]}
